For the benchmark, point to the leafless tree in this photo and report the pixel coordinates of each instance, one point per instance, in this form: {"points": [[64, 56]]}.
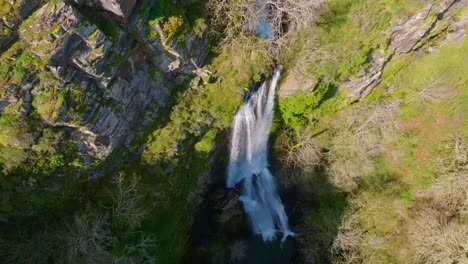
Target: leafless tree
{"points": [[438, 241], [357, 139], [139, 253], [346, 245], [237, 251], [450, 192], [88, 239], [433, 90], [235, 21], [126, 201], [307, 154], [454, 157]]}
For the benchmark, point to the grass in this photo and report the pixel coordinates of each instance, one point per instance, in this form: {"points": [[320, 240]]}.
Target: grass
{"points": [[389, 176], [17, 62], [347, 33], [389, 200]]}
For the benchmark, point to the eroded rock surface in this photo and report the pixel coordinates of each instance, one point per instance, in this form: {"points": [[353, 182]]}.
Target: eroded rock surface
{"points": [[117, 75]]}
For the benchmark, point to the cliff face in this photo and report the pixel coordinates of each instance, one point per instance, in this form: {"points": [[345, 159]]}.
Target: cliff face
{"points": [[101, 52]]}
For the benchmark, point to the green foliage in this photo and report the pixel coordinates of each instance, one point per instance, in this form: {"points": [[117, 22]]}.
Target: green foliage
{"points": [[15, 138], [172, 17], [6, 7], [383, 180], [349, 30], [84, 235], [412, 72], [15, 68], [172, 25], [294, 109], [206, 143], [199, 108], [346, 33], [324, 213], [152, 24], [48, 103], [200, 27], [304, 108]]}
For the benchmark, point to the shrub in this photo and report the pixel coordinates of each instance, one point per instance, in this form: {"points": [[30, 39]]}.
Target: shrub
{"points": [[438, 241], [357, 140], [16, 70], [173, 24], [28, 248], [295, 109], [200, 27], [345, 249], [298, 110]]}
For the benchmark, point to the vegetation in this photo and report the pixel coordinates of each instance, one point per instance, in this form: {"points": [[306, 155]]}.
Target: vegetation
{"points": [[395, 155], [89, 235], [379, 180]]}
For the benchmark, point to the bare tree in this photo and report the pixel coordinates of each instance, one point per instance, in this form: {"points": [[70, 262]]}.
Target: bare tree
{"points": [[237, 251], [455, 155], [235, 21], [433, 90], [358, 139], [307, 154], [89, 238], [126, 201], [438, 241], [348, 239], [450, 192], [139, 253]]}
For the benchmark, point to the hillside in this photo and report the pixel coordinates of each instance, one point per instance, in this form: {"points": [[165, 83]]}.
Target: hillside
{"points": [[116, 118]]}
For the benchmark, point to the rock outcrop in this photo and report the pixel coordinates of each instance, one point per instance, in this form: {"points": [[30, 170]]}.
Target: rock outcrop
{"points": [[12, 15], [409, 34], [119, 70], [405, 35]]}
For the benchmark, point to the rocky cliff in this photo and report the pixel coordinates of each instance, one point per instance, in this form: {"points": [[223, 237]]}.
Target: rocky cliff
{"points": [[102, 53]]}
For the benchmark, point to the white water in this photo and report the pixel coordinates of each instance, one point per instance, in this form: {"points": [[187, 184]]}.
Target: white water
{"points": [[248, 163]]}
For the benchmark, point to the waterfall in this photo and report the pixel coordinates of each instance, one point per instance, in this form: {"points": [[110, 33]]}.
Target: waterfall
{"points": [[248, 163]]}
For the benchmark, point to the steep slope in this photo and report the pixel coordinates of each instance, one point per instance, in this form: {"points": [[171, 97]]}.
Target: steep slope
{"points": [[115, 116]]}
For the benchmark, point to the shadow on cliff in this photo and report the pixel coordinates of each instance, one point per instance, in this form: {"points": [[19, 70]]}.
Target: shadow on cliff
{"points": [[315, 207]]}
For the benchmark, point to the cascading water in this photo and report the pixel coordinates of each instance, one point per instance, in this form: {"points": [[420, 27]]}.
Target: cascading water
{"points": [[248, 163]]}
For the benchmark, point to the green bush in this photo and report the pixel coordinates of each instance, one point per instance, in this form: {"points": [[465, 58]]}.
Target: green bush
{"points": [[200, 27], [15, 70], [172, 25]]}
